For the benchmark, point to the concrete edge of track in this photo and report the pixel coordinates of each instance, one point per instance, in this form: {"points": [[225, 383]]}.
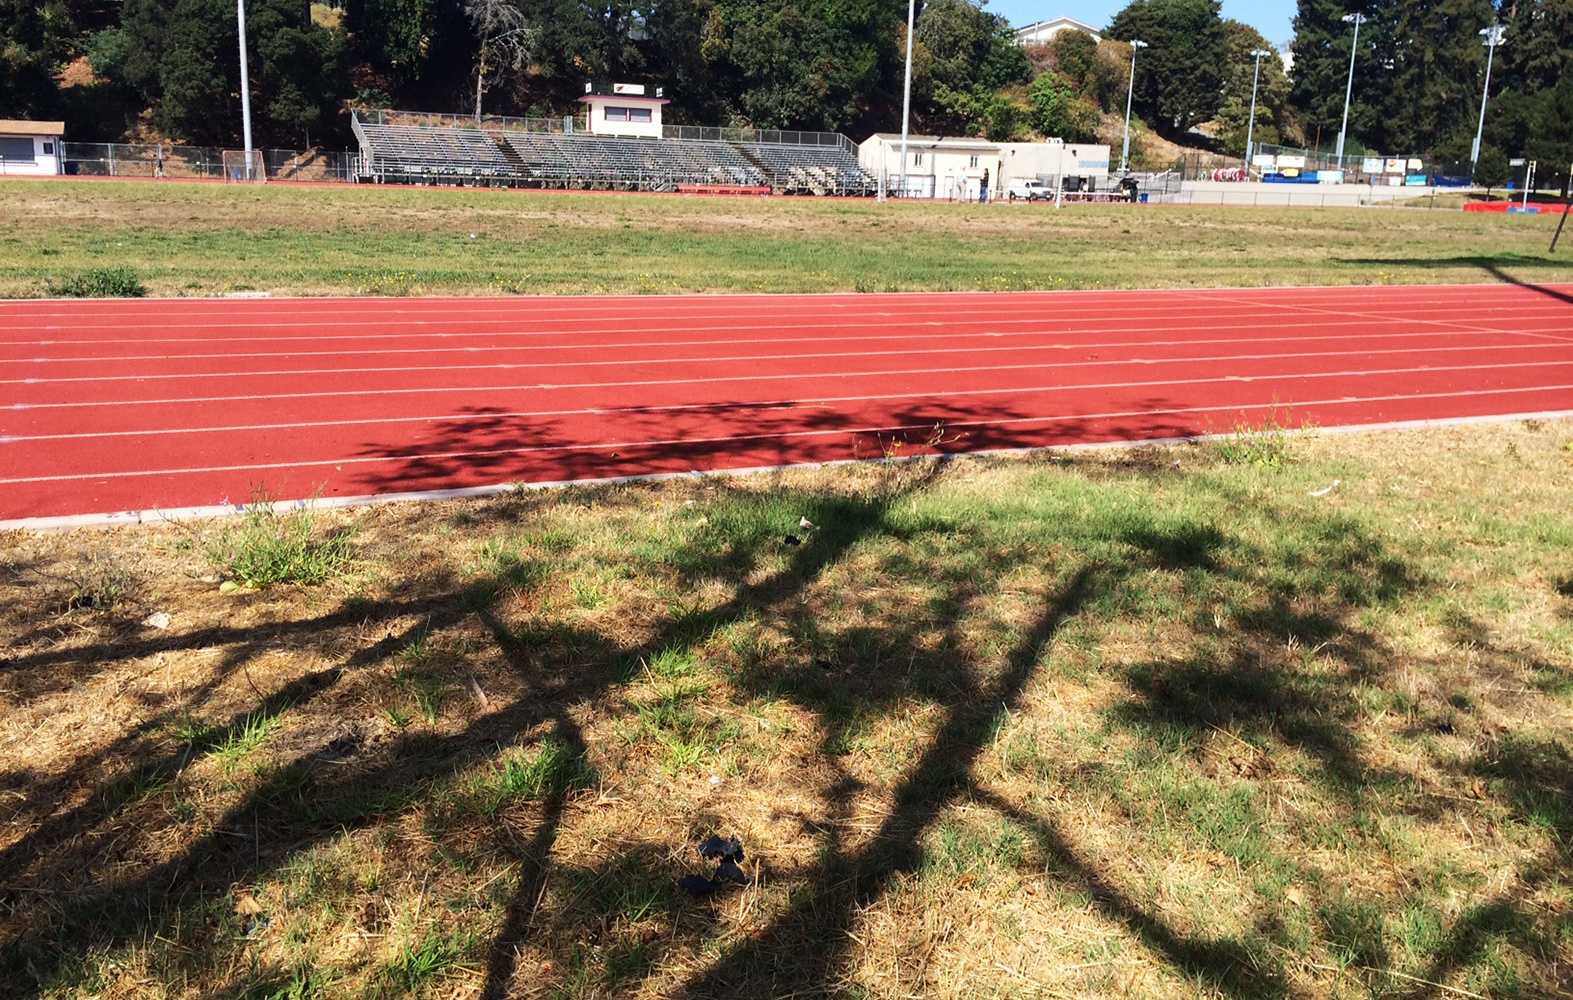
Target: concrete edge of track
{"points": [[157, 516]]}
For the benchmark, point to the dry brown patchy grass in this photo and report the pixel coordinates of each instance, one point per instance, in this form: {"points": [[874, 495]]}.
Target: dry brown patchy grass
{"points": [[1080, 726]]}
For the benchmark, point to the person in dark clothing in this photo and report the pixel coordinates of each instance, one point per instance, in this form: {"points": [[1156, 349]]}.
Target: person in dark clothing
{"points": [[983, 189]]}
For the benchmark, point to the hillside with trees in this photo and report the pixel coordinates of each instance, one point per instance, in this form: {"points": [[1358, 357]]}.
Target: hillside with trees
{"points": [[170, 69]]}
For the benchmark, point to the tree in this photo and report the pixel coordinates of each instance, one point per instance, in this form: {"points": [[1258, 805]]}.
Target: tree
{"points": [[1272, 89], [181, 56], [34, 39], [818, 64], [1058, 112], [1179, 78], [1438, 70], [1492, 168], [504, 38], [1076, 58], [1321, 49]]}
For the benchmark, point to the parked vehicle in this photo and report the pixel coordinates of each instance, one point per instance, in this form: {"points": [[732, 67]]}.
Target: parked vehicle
{"points": [[1029, 189]]}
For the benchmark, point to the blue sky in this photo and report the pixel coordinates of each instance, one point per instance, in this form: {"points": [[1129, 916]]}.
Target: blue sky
{"points": [[1271, 17]]}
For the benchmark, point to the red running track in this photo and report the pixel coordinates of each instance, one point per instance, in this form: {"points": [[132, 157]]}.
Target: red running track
{"points": [[142, 405]]}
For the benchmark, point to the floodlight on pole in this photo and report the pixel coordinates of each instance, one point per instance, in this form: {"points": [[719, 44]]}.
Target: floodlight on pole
{"points": [[1250, 123], [1494, 36], [906, 98], [1125, 148], [1349, 88], [245, 85]]}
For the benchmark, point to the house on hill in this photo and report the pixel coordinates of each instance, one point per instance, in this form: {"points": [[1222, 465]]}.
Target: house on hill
{"points": [[1043, 32]]}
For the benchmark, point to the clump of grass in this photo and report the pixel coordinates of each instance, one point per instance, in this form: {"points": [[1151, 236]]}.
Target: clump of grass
{"points": [[98, 283], [265, 547], [1266, 447], [244, 738], [554, 768], [415, 966], [99, 580]]}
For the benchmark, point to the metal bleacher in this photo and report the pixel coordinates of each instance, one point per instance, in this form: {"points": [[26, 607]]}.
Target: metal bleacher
{"points": [[817, 169], [399, 147]]}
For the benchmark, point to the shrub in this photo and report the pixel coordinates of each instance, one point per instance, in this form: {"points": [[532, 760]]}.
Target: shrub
{"points": [[99, 283]]}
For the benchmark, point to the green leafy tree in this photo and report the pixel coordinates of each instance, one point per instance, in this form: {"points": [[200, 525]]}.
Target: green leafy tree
{"points": [[815, 64], [1179, 78], [1273, 117], [1435, 82], [1057, 111], [1075, 58], [35, 38], [1492, 169], [1321, 50], [181, 56]]}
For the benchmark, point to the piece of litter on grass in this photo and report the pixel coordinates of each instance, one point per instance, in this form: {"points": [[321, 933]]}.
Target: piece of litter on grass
{"points": [[158, 619], [724, 848], [793, 540], [728, 851], [1330, 487], [805, 524], [715, 779], [475, 689]]}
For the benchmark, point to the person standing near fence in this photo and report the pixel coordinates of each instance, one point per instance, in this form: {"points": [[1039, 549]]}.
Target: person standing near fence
{"points": [[158, 160], [983, 188]]}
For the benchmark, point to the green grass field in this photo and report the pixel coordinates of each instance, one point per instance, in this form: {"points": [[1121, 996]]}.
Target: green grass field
{"points": [[195, 239], [1174, 722]]}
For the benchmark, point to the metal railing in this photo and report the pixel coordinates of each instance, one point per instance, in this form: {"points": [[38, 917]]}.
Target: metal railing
{"points": [[561, 125]]}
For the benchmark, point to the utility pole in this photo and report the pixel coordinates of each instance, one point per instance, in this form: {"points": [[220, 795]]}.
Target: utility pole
{"points": [[245, 85], [1250, 124], [1349, 88], [1493, 39], [906, 97], [1125, 149]]}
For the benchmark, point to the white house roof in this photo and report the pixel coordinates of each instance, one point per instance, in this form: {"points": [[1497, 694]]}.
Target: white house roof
{"points": [[1060, 23]]}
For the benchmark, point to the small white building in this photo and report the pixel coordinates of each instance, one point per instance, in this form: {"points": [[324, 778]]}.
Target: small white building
{"points": [[950, 167], [1043, 32], [30, 148], [624, 109]]}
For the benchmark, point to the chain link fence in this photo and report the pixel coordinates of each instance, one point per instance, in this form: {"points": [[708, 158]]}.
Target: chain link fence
{"points": [[113, 159]]}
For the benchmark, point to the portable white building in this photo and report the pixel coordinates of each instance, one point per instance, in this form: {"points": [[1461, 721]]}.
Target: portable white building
{"points": [[952, 167], [30, 148]]}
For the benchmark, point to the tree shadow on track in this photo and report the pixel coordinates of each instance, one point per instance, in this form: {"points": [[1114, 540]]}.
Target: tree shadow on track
{"points": [[1496, 266]]}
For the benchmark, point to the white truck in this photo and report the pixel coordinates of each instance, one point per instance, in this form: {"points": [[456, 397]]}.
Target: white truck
{"points": [[1029, 189]]}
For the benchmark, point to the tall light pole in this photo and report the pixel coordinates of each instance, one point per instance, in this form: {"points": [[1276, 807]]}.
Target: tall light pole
{"points": [[245, 85], [1125, 149], [906, 97], [1250, 124], [1349, 89], [1493, 39]]}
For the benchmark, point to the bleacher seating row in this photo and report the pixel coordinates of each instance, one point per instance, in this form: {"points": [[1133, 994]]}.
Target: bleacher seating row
{"points": [[448, 154]]}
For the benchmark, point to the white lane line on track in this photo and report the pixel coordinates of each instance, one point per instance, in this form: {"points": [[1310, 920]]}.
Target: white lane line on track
{"points": [[1269, 317], [986, 334], [915, 311], [19, 308], [1452, 324], [732, 359], [798, 376], [776, 436]]}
